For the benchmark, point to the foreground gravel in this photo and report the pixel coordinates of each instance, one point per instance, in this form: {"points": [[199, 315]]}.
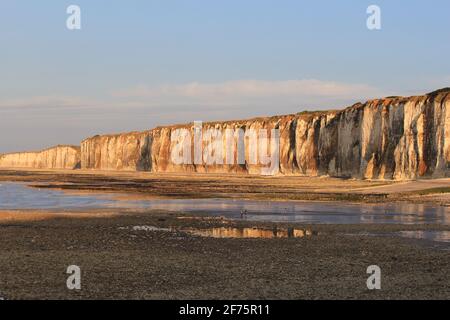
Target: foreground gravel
{"points": [[118, 262]]}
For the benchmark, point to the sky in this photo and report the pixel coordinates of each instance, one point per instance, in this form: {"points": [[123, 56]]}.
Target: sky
{"points": [[138, 64]]}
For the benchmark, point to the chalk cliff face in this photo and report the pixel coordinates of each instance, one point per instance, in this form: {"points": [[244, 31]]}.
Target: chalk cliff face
{"points": [[391, 138], [59, 157], [128, 151]]}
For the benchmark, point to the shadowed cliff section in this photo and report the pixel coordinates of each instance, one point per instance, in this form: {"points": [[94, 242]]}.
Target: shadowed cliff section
{"points": [[391, 138]]}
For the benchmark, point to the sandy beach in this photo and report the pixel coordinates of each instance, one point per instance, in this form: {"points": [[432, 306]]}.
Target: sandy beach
{"points": [[154, 254], [124, 256]]}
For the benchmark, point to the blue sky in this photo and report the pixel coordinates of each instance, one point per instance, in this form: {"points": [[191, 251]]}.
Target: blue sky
{"points": [[137, 64]]}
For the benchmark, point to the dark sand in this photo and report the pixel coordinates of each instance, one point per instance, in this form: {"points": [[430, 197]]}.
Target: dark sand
{"points": [[121, 263], [118, 262]]}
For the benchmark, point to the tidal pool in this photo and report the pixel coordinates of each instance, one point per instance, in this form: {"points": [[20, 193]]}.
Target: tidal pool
{"points": [[437, 236], [440, 237], [19, 196], [232, 232], [229, 232]]}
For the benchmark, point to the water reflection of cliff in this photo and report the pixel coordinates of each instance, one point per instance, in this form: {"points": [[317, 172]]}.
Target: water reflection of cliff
{"points": [[225, 232]]}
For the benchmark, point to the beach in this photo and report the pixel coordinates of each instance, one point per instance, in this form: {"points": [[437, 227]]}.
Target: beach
{"points": [[136, 253], [119, 261]]}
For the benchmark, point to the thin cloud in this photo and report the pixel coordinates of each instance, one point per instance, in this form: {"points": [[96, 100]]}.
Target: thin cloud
{"points": [[203, 96], [47, 101], [249, 90]]}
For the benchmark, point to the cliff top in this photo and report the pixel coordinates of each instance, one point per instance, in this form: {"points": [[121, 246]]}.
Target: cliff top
{"points": [[43, 150], [303, 114], [439, 91], [437, 94]]}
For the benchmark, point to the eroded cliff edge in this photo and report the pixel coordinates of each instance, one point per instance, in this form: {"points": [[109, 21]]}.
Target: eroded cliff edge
{"points": [[58, 157], [391, 138]]}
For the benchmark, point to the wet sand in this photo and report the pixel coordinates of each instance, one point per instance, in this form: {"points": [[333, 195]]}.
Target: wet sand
{"points": [[236, 186], [120, 261], [142, 254]]}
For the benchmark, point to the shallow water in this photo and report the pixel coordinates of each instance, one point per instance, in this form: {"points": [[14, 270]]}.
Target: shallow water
{"points": [[437, 236], [19, 196], [231, 232], [440, 237]]}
